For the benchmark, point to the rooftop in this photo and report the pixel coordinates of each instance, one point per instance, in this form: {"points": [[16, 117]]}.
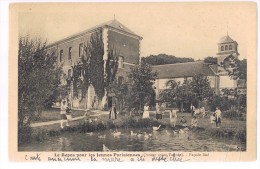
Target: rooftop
{"points": [[114, 24], [226, 39], [187, 69]]}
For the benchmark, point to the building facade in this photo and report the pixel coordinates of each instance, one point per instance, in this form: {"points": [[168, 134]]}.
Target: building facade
{"points": [[226, 47], [181, 71], [70, 51], [218, 77]]}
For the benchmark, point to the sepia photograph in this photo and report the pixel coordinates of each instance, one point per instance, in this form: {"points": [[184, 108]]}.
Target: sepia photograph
{"points": [[126, 81]]}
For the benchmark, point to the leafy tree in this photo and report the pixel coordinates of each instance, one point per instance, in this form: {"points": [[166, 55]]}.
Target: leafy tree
{"points": [[95, 49], [92, 70], [236, 69], [200, 86], [162, 59], [141, 91], [211, 60], [176, 93], [38, 80]]}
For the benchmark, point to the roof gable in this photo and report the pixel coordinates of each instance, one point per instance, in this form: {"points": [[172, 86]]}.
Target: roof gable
{"points": [[188, 69], [226, 39], [110, 24]]}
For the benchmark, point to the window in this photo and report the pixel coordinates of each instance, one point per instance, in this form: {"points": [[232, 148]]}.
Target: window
{"points": [[120, 80], [70, 49], [80, 72], [61, 55], [226, 47], [69, 73], [121, 62], [53, 54], [230, 47], [80, 50], [222, 48]]}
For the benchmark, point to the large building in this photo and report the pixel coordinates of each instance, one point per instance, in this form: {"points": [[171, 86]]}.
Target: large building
{"points": [[217, 75], [70, 51]]}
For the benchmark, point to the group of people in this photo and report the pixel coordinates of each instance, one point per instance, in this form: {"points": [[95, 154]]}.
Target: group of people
{"points": [[215, 118], [194, 122], [65, 112]]}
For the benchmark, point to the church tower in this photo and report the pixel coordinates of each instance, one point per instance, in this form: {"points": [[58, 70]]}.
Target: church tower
{"points": [[226, 47]]}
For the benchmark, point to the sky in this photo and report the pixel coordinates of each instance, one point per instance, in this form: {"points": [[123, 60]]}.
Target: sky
{"points": [[180, 29]]}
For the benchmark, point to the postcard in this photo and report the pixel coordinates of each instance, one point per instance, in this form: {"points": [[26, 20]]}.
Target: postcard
{"points": [[133, 82]]}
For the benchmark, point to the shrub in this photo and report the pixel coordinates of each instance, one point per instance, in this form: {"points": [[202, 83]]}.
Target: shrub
{"points": [[232, 114], [100, 126], [24, 134]]}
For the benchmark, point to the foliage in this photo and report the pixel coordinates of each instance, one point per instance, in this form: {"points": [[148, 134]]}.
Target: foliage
{"points": [[162, 59], [190, 91], [111, 67], [38, 79], [228, 100], [200, 87], [218, 101], [177, 94], [141, 80], [90, 70], [233, 114], [211, 60], [236, 69]]}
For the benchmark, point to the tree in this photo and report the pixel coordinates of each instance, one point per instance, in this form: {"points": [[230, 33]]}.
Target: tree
{"points": [[211, 60], [200, 86], [38, 79], [92, 70], [236, 69], [141, 91], [177, 94], [162, 59]]}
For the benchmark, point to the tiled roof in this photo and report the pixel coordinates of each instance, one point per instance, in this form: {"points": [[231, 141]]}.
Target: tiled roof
{"points": [[188, 69], [110, 24], [226, 39]]}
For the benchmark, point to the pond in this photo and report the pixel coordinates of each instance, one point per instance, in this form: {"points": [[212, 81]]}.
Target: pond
{"points": [[139, 140]]}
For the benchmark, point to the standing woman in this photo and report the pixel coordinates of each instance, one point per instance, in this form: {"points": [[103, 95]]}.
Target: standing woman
{"points": [[218, 117], [112, 114], [192, 109], [146, 111], [63, 113], [68, 113], [173, 117], [158, 114]]}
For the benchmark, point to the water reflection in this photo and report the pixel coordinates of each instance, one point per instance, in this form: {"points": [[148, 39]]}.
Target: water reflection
{"points": [[147, 140]]}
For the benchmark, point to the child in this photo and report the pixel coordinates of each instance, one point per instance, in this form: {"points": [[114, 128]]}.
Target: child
{"points": [[68, 114], [183, 121], [173, 117], [194, 122], [213, 119], [218, 117], [63, 113], [87, 116]]}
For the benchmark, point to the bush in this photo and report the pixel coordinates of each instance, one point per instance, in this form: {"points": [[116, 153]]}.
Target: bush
{"points": [[24, 134], [232, 114], [222, 102]]}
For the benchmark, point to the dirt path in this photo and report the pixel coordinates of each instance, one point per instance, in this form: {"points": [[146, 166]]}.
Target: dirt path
{"points": [[47, 123]]}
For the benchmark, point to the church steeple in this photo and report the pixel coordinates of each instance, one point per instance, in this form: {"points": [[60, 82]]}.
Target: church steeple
{"points": [[226, 46]]}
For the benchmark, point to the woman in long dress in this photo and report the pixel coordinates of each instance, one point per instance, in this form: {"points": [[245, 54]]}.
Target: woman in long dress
{"points": [[112, 114], [173, 117], [146, 111], [63, 113]]}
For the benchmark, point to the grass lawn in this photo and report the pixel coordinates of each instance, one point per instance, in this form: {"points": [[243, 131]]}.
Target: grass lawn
{"points": [[54, 114], [204, 126]]}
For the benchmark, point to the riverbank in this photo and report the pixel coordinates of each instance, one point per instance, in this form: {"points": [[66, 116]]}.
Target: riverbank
{"points": [[232, 130]]}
